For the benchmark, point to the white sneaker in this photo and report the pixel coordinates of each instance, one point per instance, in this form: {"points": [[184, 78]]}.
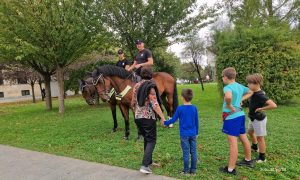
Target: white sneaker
{"points": [[145, 170], [260, 160], [171, 125]]}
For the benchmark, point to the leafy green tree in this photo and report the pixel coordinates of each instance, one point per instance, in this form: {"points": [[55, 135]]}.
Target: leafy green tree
{"points": [[256, 13], [49, 35], [166, 62], [153, 21], [187, 72]]}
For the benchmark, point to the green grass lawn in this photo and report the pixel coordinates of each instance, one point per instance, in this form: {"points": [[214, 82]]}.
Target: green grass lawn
{"points": [[84, 132]]}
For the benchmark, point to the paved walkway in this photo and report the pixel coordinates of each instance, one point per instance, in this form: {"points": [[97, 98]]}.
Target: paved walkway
{"points": [[20, 164]]}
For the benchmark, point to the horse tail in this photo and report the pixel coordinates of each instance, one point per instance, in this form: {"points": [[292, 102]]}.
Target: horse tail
{"points": [[175, 97]]}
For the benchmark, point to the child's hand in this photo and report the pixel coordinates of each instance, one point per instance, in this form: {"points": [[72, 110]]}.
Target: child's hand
{"points": [[259, 110], [162, 122], [231, 108]]}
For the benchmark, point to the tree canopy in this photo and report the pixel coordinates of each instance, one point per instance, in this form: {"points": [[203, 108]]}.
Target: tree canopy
{"points": [[153, 21]]}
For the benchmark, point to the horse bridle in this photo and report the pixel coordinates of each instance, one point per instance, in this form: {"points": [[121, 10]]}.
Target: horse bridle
{"points": [[101, 76], [96, 82], [82, 87]]}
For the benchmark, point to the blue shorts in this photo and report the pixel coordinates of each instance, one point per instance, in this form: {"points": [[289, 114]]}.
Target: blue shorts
{"points": [[234, 127]]}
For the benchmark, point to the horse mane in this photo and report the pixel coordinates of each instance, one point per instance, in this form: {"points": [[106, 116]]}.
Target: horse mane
{"points": [[111, 70]]}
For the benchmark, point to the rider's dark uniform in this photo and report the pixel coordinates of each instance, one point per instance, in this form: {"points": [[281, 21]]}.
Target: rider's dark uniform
{"points": [[123, 63], [142, 57]]}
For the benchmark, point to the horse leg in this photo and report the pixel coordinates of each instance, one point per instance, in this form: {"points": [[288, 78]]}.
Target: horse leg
{"points": [[139, 136], [125, 111], [165, 103], [114, 114], [170, 105]]}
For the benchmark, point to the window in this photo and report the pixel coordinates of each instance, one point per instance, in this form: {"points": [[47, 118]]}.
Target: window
{"points": [[25, 92], [1, 94]]}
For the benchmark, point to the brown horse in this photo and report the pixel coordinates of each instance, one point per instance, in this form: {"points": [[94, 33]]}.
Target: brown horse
{"points": [[89, 93], [108, 77]]}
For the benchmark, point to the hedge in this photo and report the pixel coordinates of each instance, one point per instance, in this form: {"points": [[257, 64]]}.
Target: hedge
{"points": [[275, 53]]}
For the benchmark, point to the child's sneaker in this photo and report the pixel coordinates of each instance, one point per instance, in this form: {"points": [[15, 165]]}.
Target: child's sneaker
{"points": [[193, 173], [254, 148], [171, 125], [243, 162], [145, 170], [225, 170], [260, 160], [186, 173]]}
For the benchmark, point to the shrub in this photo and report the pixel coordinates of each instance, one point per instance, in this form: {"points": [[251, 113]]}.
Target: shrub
{"points": [[275, 53]]}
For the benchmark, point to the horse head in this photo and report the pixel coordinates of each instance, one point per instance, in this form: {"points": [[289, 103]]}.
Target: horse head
{"points": [[102, 84], [88, 90]]}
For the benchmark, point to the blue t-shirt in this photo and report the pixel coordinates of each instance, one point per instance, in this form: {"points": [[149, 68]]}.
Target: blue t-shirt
{"points": [[188, 120], [237, 91]]}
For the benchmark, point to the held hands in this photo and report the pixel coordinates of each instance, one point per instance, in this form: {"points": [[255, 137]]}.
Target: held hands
{"points": [[162, 121]]}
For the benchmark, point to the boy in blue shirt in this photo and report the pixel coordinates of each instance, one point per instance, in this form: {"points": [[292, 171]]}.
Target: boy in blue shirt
{"points": [[188, 126], [234, 120]]}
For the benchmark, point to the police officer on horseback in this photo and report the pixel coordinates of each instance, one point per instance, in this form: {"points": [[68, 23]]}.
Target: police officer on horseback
{"points": [[142, 58], [123, 62]]}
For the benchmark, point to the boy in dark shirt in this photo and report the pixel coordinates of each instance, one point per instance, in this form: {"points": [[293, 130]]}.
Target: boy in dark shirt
{"points": [[258, 119], [188, 126]]}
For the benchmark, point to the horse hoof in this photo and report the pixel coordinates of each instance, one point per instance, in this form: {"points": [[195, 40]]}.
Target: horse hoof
{"points": [[114, 130]]}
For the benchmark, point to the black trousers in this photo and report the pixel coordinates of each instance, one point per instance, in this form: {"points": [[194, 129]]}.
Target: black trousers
{"points": [[147, 128]]}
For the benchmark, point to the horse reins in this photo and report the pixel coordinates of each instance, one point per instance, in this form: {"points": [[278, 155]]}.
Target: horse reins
{"points": [[118, 86]]}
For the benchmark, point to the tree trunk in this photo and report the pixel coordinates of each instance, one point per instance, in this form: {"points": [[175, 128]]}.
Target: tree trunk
{"points": [[199, 75], [61, 89], [32, 89], [269, 4], [47, 79], [40, 84]]}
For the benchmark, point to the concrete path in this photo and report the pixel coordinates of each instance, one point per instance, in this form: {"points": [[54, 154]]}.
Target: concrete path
{"points": [[20, 164]]}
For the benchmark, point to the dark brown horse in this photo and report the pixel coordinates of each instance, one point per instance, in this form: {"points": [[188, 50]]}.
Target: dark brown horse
{"points": [[89, 93], [108, 77]]}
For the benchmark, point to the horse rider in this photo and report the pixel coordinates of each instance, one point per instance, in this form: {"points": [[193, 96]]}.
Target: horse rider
{"points": [[123, 62], [142, 58]]}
